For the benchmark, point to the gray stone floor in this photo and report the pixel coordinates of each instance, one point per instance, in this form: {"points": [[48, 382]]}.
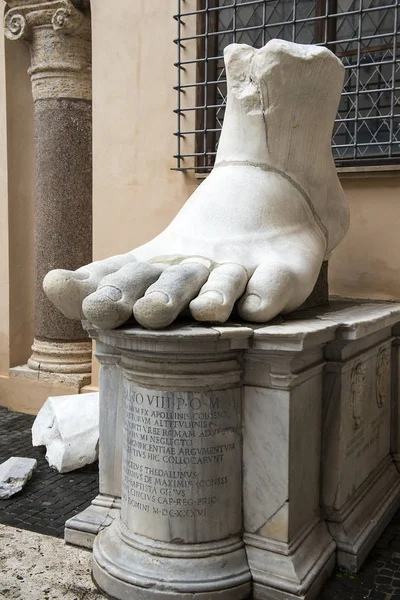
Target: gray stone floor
{"points": [[38, 567], [49, 498]]}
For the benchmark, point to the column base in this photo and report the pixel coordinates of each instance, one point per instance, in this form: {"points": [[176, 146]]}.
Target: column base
{"points": [[297, 570], [82, 529], [73, 380], [61, 357], [137, 567], [359, 523]]}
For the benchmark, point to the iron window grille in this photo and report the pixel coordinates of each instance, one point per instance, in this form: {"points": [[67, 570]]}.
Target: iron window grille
{"points": [[364, 34]]}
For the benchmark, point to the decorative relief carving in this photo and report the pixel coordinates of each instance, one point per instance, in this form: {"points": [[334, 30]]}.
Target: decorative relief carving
{"points": [[60, 14], [59, 34], [357, 385], [383, 377], [15, 27]]}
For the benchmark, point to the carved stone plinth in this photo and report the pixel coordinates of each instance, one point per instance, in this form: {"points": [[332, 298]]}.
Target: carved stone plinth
{"points": [[360, 486], [179, 531], [307, 386], [82, 529], [289, 548]]}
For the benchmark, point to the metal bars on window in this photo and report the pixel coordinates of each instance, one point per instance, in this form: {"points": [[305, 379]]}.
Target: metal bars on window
{"points": [[364, 34]]}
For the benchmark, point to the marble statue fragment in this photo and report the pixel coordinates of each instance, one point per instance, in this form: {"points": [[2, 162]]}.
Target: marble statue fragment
{"points": [[14, 473], [255, 233], [69, 428]]}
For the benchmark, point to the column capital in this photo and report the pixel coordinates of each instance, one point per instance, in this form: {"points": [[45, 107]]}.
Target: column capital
{"points": [[22, 16], [59, 35]]}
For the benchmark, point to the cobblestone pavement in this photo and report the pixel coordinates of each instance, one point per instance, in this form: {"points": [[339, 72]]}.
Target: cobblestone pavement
{"points": [[50, 498], [379, 577]]}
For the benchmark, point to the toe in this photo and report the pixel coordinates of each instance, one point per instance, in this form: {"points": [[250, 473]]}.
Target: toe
{"points": [[173, 291], [273, 288], [218, 295], [67, 289], [111, 304]]}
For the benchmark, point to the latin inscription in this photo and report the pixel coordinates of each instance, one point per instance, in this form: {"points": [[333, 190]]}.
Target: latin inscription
{"points": [[181, 453]]}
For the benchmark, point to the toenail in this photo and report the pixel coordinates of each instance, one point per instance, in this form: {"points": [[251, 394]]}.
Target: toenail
{"points": [[213, 295], [79, 276], [159, 296], [110, 292], [251, 302], [198, 260]]}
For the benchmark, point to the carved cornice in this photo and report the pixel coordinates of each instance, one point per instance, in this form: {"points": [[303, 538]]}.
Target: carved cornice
{"points": [[58, 32], [21, 17]]}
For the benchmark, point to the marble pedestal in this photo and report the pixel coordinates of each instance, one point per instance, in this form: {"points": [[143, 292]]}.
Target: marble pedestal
{"points": [[360, 489], [179, 533], [311, 387]]}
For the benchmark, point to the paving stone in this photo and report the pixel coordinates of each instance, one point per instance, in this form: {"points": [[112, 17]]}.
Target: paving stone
{"points": [[49, 498]]}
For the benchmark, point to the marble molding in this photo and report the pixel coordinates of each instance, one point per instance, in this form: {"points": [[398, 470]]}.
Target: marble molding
{"points": [[360, 485], [291, 374], [288, 545], [395, 391], [181, 469], [58, 33], [81, 529]]}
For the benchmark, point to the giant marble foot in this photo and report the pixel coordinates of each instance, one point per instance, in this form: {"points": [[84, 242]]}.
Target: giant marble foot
{"points": [[257, 229]]}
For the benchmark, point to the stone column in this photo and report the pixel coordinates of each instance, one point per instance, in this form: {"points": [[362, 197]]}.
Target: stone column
{"points": [[58, 33], [179, 530]]}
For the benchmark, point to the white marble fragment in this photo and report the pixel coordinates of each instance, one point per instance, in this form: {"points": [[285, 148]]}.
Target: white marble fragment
{"points": [[69, 427], [14, 473], [254, 234]]}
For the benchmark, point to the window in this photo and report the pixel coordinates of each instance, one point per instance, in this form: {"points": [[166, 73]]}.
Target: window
{"points": [[364, 34]]}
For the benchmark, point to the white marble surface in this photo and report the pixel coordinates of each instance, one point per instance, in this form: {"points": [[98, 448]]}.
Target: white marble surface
{"points": [[14, 473], [255, 233], [265, 458], [69, 428], [182, 464], [356, 423]]}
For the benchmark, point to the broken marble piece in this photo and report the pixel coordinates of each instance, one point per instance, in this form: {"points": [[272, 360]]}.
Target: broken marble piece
{"points": [[69, 428], [255, 233], [14, 473]]}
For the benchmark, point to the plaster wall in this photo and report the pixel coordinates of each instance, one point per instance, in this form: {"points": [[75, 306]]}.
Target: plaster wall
{"points": [[136, 194], [4, 272], [16, 205], [367, 262], [20, 177]]}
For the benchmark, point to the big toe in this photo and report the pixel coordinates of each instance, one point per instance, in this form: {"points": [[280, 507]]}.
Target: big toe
{"points": [[111, 304], [66, 290]]}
